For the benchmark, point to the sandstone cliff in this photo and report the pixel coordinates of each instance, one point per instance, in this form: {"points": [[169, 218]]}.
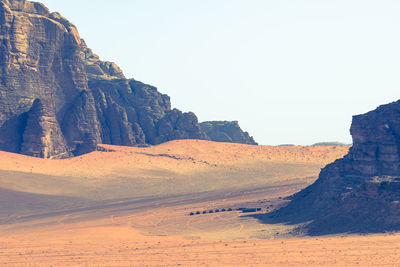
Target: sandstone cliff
{"points": [[226, 131], [57, 98], [360, 192], [42, 136]]}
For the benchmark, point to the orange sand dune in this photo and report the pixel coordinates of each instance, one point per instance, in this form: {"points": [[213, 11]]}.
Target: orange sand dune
{"points": [[180, 156], [183, 166]]}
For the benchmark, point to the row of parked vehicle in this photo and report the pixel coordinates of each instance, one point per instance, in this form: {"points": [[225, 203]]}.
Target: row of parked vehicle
{"points": [[244, 210], [209, 211]]}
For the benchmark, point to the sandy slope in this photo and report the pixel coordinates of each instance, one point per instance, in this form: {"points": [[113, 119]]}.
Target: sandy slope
{"points": [[180, 157], [184, 166]]}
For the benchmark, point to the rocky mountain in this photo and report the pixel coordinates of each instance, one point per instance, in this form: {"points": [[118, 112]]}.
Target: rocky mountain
{"points": [[226, 131], [360, 192], [58, 99]]}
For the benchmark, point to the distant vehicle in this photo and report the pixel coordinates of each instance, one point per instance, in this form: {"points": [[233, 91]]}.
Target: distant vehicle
{"points": [[229, 209], [248, 210], [191, 214], [204, 212], [198, 212], [217, 210], [211, 211], [223, 210]]}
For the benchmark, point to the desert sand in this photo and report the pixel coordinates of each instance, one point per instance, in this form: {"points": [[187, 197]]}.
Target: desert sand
{"points": [[167, 236], [119, 246], [177, 167], [131, 207]]}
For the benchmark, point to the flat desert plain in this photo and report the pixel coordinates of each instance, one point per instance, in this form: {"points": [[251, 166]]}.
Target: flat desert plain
{"points": [[130, 206]]}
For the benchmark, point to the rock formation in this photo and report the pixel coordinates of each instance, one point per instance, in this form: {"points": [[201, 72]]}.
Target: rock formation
{"points": [[42, 135], [360, 192], [57, 98], [226, 131]]}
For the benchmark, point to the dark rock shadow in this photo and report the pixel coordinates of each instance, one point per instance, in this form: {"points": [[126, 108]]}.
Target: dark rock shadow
{"points": [[11, 133], [337, 218]]}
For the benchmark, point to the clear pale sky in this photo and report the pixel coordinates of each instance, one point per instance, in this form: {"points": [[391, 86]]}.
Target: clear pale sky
{"points": [[288, 71]]}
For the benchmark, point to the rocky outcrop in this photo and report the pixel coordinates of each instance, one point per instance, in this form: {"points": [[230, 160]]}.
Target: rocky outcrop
{"points": [[57, 98], [360, 192], [42, 135], [226, 131], [134, 113]]}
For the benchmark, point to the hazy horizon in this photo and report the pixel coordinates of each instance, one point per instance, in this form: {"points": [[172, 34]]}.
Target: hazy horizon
{"points": [[289, 71]]}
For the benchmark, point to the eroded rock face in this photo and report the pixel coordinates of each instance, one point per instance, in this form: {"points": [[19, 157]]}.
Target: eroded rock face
{"points": [[44, 63], [360, 192], [42, 135], [39, 59], [226, 131], [134, 113]]}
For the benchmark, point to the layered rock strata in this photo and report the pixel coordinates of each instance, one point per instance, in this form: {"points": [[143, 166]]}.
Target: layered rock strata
{"points": [[360, 192]]}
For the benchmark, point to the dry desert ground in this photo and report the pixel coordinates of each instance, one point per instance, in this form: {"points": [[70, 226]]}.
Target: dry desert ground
{"points": [[130, 206]]}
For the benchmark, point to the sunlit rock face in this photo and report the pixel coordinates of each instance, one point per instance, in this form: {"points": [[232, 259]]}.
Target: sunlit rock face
{"points": [[376, 136], [58, 99], [360, 192]]}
